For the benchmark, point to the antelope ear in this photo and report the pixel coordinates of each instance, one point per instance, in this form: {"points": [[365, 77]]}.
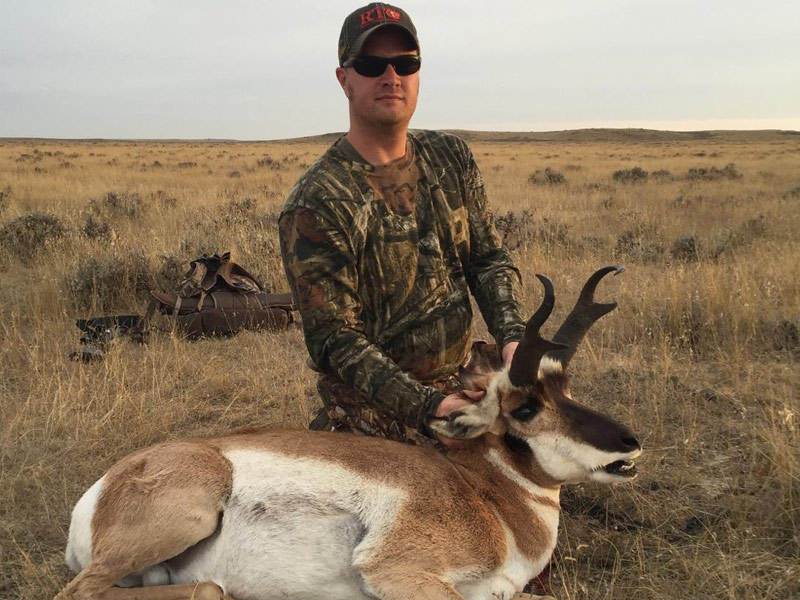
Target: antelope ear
{"points": [[475, 381], [469, 422]]}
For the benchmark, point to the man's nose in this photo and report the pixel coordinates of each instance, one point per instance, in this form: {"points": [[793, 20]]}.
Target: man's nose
{"points": [[390, 76]]}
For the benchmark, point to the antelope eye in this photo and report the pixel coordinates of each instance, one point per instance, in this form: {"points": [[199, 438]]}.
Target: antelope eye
{"points": [[525, 412]]}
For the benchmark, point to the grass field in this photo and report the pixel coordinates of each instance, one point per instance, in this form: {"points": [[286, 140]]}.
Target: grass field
{"points": [[700, 359]]}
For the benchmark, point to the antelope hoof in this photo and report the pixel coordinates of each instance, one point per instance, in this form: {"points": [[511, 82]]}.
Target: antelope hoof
{"points": [[208, 591]]}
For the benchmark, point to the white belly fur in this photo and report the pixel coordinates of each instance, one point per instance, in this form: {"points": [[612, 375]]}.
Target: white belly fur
{"points": [[79, 542], [292, 527]]}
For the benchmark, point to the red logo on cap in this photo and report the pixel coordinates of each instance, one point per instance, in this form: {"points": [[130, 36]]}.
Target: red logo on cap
{"points": [[379, 14]]}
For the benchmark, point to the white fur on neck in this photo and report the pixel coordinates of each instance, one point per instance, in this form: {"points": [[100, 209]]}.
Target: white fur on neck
{"points": [[493, 456]]}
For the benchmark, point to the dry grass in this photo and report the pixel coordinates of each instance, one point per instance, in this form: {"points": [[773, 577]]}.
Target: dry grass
{"points": [[700, 359]]}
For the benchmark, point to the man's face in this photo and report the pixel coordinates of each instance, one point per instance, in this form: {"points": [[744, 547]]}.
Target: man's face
{"points": [[386, 100]]}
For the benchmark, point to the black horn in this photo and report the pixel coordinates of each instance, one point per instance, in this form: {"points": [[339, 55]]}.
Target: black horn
{"points": [[525, 364], [582, 317]]}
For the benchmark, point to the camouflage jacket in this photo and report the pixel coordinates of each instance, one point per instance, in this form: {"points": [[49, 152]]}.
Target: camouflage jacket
{"points": [[382, 269]]}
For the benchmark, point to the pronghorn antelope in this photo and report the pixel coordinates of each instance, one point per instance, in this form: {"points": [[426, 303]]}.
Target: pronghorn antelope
{"points": [[264, 514]]}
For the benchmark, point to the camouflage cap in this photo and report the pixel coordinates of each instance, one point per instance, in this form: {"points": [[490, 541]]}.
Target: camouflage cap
{"points": [[361, 23]]}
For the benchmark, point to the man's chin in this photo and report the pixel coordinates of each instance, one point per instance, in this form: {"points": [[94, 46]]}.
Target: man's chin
{"points": [[391, 120], [391, 112]]}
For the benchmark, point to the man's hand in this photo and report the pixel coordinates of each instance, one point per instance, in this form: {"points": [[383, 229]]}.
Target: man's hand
{"points": [[508, 352], [452, 403]]}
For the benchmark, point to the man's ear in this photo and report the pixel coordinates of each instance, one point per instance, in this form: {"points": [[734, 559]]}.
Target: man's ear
{"points": [[341, 76]]}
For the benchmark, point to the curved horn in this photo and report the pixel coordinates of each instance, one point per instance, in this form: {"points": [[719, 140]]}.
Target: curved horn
{"points": [[582, 317], [525, 364]]}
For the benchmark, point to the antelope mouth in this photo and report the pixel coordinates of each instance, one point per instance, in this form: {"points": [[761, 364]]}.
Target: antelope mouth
{"points": [[621, 468]]}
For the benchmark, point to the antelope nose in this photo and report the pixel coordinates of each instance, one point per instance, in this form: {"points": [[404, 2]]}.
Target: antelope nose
{"points": [[631, 442]]}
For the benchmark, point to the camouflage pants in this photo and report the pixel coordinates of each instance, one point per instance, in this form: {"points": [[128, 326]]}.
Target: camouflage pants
{"points": [[346, 411]]}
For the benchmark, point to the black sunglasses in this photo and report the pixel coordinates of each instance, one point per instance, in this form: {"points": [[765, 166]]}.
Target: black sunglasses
{"points": [[374, 66]]}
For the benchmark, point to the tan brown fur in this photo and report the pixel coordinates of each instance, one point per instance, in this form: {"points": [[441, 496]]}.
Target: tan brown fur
{"points": [[556, 385], [509, 499], [170, 497], [477, 486], [155, 504], [550, 390], [399, 584], [512, 399]]}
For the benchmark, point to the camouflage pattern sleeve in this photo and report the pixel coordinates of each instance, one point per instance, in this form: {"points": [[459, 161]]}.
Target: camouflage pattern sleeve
{"points": [[319, 258], [492, 277]]}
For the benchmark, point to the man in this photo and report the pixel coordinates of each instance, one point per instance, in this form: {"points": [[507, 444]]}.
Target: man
{"points": [[383, 239]]}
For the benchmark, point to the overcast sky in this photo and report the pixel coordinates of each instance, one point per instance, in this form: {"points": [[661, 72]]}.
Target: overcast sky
{"points": [[249, 69]]}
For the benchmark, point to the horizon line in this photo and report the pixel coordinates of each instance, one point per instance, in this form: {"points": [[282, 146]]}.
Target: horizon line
{"points": [[449, 129]]}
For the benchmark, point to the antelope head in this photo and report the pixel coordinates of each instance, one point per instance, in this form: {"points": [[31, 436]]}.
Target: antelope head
{"points": [[531, 406]]}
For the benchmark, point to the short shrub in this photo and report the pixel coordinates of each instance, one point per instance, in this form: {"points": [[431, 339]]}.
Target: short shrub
{"points": [[785, 335], [728, 241], [25, 236], [115, 205], [95, 229], [547, 176], [600, 188], [170, 273], [608, 203], [5, 195], [634, 175], [164, 199], [635, 246], [755, 227], [792, 194], [729, 171], [521, 229], [269, 162], [238, 212], [725, 242], [681, 202], [685, 248], [115, 281], [516, 229]]}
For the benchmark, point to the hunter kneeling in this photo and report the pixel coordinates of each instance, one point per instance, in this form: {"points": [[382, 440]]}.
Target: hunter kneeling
{"points": [[384, 239]]}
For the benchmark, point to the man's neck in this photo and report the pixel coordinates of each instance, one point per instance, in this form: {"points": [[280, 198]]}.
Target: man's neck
{"points": [[378, 147]]}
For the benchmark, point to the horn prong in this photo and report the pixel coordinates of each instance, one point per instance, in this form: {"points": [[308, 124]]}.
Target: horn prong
{"points": [[582, 316]]}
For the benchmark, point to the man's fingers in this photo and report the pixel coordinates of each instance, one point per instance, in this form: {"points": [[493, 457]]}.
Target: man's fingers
{"points": [[473, 395], [451, 403], [456, 401], [508, 352]]}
